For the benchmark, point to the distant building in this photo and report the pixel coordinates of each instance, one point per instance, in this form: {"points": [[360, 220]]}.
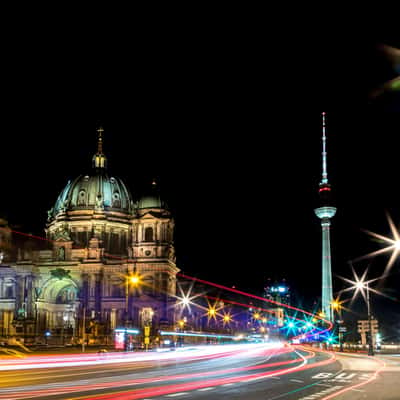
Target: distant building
{"points": [[277, 292], [109, 262]]}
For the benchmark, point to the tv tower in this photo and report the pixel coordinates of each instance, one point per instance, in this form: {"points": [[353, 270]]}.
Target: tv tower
{"points": [[325, 212]]}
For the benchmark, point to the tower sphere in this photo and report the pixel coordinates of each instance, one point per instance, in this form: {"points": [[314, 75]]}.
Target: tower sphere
{"points": [[325, 212]]}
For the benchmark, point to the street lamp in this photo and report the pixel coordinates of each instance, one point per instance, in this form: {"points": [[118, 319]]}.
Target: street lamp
{"points": [[336, 305], [131, 280]]}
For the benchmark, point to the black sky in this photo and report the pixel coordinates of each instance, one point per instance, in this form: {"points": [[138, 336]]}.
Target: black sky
{"points": [[230, 126]]}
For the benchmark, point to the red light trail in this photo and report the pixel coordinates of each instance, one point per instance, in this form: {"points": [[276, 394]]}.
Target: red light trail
{"points": [[330, 325], [244, 350]]}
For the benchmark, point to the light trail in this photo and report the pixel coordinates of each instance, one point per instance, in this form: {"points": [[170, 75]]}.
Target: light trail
{"points": [[244, 351], [159, 391], [196, 352]]}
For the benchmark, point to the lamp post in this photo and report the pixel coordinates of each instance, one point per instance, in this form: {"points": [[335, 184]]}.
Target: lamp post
{"points": [[132, 281], [364, 285], [336, 305], [370, 342]]}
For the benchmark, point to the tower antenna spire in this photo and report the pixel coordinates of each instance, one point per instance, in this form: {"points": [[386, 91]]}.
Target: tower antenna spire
{"points": [[324, 153]]}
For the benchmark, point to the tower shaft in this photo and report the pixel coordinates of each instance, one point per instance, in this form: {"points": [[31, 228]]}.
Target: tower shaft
{"points": [[327, 291]]}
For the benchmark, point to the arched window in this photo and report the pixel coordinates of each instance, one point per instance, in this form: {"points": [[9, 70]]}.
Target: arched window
{"points": [[9, 291], [61, 254], [81, 198], [148, 234], [116, 202]]}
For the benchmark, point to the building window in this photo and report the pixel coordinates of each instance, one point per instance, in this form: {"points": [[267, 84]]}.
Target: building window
{"points": [[81, 198], [9, 291], [116, 203], [61, 253], [148, 234], [117, 289]]}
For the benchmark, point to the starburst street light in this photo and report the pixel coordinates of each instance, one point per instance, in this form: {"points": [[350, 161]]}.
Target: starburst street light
{"points": [[212, 312], [134, 280], [227, 319], [393, 245], [360, 284], [186, 299]]}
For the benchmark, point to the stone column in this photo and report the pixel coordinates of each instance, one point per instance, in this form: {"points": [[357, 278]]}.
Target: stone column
{"points": [[85, 290], [29, 297], [18, 294], [113, 319], [98, 295], [140, 233]]}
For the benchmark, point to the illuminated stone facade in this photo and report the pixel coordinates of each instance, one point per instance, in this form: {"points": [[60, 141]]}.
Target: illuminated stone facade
{"points": [[110, 262]]}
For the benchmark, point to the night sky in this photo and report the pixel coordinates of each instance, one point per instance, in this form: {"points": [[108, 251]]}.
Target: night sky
{"points": [[231, 129]]}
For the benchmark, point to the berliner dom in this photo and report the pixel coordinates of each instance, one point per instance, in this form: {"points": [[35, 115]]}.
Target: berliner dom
{"points": [[109, 262]]}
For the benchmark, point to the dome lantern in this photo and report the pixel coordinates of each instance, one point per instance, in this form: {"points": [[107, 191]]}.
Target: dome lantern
{"points": [[99, 160]]}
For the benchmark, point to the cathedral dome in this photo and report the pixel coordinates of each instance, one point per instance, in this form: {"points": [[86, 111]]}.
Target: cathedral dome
{"points": [[97, 191]]}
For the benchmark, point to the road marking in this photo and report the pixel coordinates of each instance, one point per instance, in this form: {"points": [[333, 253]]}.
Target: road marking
{"points": [[177, 394], [322, 393], [228, 384], [322, 375], [255, 379], [341, 377], [275, 377], [297, 380], [345, 376], [206, 388]]}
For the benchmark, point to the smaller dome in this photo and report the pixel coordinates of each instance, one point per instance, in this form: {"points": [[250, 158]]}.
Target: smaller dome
{"points": [[152, 199], [150, 202]]}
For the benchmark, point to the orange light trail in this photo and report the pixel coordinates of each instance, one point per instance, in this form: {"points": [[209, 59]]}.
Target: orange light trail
{"points": [[158, 391], [260, 351]]}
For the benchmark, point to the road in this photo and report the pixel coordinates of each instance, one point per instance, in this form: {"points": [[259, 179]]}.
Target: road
{"points": [[252, 371]]}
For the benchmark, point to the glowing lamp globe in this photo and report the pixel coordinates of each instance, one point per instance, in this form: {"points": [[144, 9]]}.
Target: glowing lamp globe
{"points": [[134, 279], [360, 285]]}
